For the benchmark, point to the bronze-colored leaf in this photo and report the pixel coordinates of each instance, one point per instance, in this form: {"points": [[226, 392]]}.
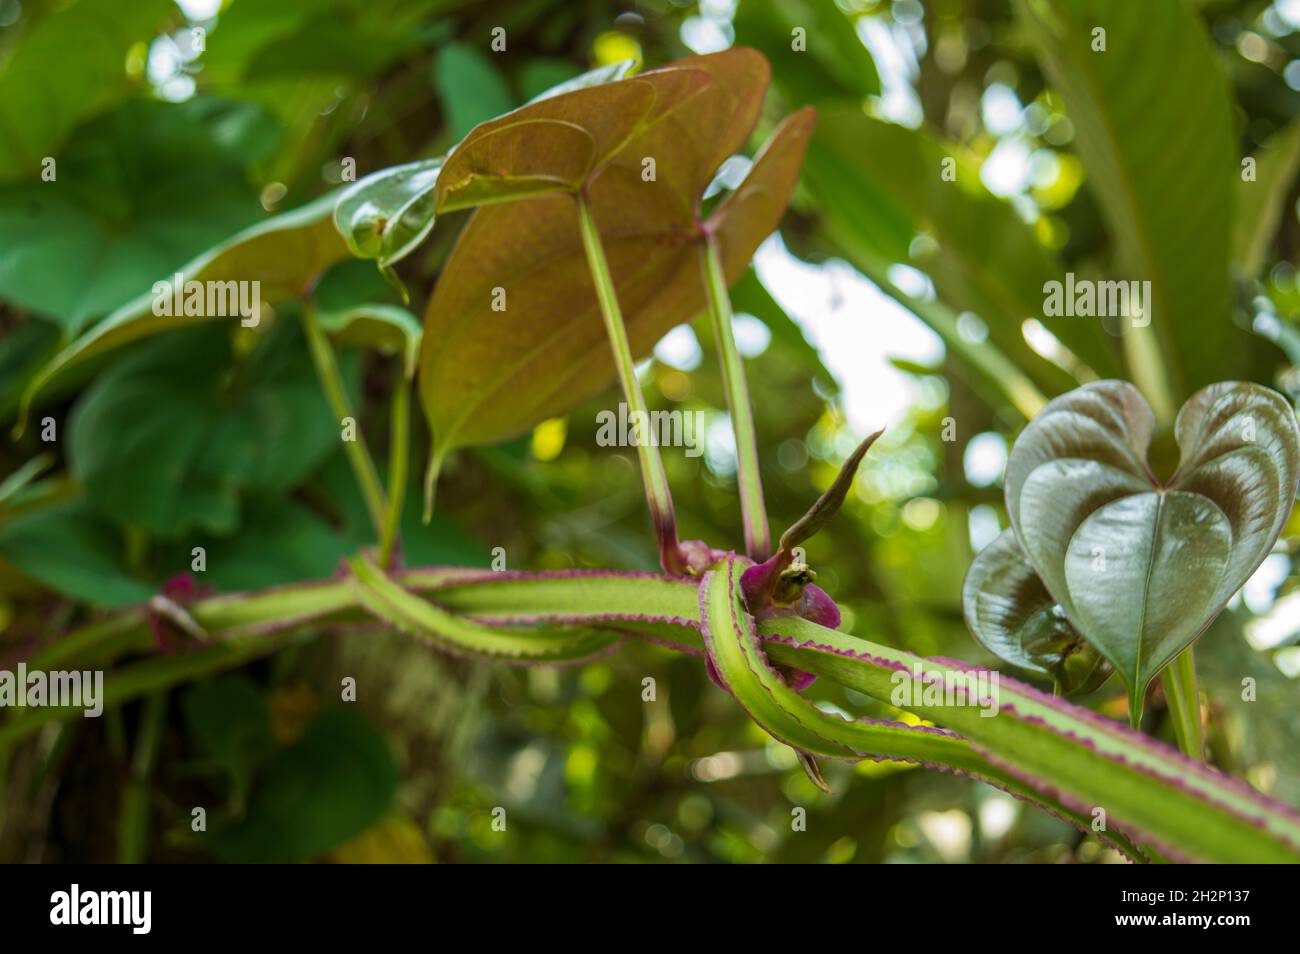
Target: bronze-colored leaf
{"points": [[489, 373]]}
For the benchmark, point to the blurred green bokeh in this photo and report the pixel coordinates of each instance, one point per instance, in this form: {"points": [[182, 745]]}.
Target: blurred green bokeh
{"points": [[176, 125]]}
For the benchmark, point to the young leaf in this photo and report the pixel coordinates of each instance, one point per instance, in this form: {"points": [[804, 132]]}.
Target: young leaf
{"points": [[761, 581], [1012, 615], [1140, 568], [386, 328], [386, 214]]}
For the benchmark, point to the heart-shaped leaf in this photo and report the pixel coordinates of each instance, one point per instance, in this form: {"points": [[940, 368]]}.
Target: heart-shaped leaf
{"points": [[1139, 568], [285, 254], [489, 373], [169, 440], [559, 142], [112, 212], [1014, 617]]}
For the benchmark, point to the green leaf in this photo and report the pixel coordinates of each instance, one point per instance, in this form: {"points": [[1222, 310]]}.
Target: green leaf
{"points": [[386, 214], [1013, 616], [138, 192], [22, 351], [279, 541], [834, 62], [73, 550], [69, 64], [879, 184], [1142, 573], [351, 309], [1164, 184], [386, 328], [326, 788], [1261, 201], [487, 375], [169, 438], [230, 722], [12, 485], [470, 87], [285, 254], [1139, 568]]}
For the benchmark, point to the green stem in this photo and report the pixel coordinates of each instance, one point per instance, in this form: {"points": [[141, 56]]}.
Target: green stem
{"points": [[658, 495], [363, 466], [398, 456], [1179, 680], [133, 820], [758, 538]]}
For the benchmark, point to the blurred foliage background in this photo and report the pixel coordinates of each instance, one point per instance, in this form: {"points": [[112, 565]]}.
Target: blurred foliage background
{"points": [[171, 140]]}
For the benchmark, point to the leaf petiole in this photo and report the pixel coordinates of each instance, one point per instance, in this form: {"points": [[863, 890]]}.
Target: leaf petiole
{"points": [[327, 370], [1184, 698], [758, 538], [658, 495], [398, 457]]}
